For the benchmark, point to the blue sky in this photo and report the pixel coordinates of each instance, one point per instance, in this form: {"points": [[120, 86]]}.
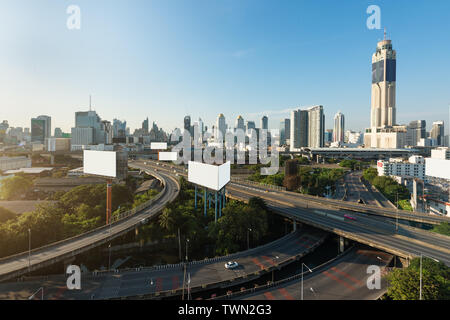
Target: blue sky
{"points": [[165, 59]]}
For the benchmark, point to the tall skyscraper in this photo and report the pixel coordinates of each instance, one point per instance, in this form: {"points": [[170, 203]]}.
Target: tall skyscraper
{"points": [[383, 131], [119, 128], [145, 126], [299, 129], [240, 123], [221, 126], [265, 123], [415, 131], [384, 60], [438, 132], [250, 125], [187, 123], [316, 124], [41, 128], [285, 131], [339, 128]]}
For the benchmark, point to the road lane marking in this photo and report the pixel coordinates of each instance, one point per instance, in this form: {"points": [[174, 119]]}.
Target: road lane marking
{"points": [[347, 276], [269, 296], [338, 280], [256, 261], [286, 294]]}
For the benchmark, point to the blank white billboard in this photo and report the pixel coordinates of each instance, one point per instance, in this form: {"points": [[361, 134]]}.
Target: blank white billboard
{"points": [[167, 156], [209, 176], [101, 163], [158, 145], [438, 168]]}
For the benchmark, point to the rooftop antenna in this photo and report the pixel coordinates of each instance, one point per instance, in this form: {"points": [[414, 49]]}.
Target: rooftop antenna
{"points": [[90, 103], [384, 33]]}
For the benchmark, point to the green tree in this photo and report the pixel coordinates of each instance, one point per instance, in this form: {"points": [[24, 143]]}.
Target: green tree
{"points": [[442, 228], [15, 187], [6, 215]]}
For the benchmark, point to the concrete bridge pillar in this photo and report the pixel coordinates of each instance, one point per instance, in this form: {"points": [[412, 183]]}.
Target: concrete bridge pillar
{"points": [[341, 244]]}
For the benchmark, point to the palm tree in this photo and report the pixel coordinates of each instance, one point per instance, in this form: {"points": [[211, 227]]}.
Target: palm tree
{"points": [[166, 220]]}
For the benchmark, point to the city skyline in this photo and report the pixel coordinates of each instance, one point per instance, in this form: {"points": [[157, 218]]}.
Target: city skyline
{"points": [[241, 73]]}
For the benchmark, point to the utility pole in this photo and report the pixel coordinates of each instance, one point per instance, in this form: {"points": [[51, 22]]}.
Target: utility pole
{"points": [[179, 243]]}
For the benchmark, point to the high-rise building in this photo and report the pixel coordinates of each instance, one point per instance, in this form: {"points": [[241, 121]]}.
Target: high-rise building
{"points": [[383, 131], [438, 133], [41, 128], [250, 125], [58, 133], [90, 119], [328, 136], [415, 131], [265, 123], [299, 129], [307, 128], [316, 124], [145, 126], [339, 127], [285, 131], [119, 128], [221, 126], [240, 123], [384, 60], [187, 123]]}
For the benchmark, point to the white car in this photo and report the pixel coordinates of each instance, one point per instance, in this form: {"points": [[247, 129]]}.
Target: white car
{"points": [[231, 265]]}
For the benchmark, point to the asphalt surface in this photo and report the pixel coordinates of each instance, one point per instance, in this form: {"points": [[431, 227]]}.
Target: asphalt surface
{"points": [[343, 279], [77, 244], [148, 281]]}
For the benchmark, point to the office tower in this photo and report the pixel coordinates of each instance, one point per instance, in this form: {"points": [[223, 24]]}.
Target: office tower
{"points": [[383, 131], [415, 131], [250, 125], [119, 128], [316, 124], [285, 131], [328, 136], [299, 129], [41, 128], [221, 126], [201, 126], [90, 119], [264, 123], [187, 123], [240, 123], [145, 126], [339, 128], [437, 132], [58, 133], [383, 113], [108, 132]]}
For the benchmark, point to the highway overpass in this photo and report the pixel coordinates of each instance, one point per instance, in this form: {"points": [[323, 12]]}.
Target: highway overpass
{"points": [[23, 263], [328, 214], [167, 280]]}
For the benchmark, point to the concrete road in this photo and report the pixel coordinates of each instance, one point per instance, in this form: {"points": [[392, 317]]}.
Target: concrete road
{"points": [[163, 280], [343, 279]]}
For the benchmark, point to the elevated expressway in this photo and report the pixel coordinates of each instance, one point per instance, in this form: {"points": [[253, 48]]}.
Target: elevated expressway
{"points": [[368, 228], [23, 263], [344, 278], [163, 281]]}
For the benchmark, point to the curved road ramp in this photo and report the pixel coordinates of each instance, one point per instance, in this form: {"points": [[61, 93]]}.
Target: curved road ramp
{"points": [[167, 280], [23, 263], [350, 276]]}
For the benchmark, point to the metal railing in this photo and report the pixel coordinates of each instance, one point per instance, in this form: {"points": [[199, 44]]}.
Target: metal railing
{"points": [[255, 183]]}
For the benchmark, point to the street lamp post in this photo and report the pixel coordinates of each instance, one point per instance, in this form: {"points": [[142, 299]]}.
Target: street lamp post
{"points": [[302, 277], [29, 250], [248, 238], [421, 255]]}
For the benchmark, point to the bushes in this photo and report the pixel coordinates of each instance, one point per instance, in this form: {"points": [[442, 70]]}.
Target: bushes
{"points": [[386, 185], [15, 188]]}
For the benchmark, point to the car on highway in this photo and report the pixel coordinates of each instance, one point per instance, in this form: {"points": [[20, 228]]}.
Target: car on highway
{"points": [[231, 265], [349, 217]]}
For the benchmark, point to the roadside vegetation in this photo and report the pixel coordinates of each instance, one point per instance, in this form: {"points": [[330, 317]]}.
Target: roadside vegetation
{"points": [[404, 284], [442, 228], [74, 212], [389, 188]]}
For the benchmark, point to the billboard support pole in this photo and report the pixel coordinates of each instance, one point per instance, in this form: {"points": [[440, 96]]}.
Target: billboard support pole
{"points": [[195, 196], [108, 200], [215, 206], [220, 204], [204, 200]]}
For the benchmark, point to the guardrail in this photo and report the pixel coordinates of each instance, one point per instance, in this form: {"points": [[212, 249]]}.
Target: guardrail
{"points": [[255, 183], [83, 234]]}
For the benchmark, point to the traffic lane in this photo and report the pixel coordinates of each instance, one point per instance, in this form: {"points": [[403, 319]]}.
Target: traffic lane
{"points": [[386, 239], [343, 279], [421, 235], [145, 282]]}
